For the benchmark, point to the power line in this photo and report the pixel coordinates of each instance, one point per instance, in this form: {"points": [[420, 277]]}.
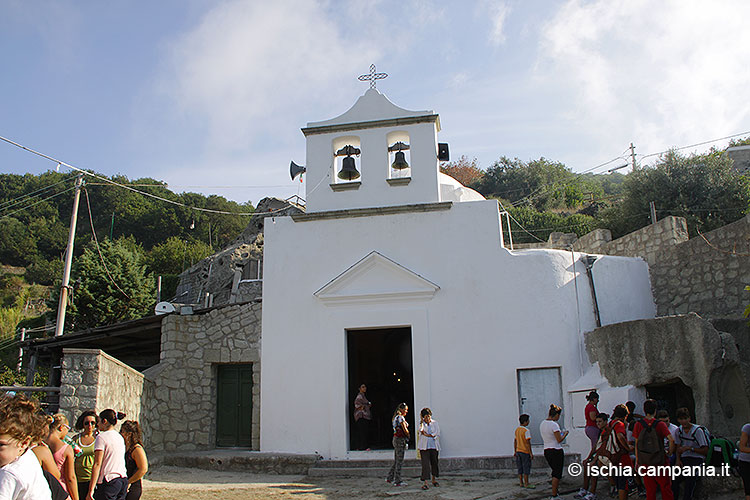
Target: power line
{"points": [[37, 203], [96, 241], [696, 144], [20, 199], [144, 193]]}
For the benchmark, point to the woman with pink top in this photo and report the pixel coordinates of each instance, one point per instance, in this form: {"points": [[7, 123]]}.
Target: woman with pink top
{"points": [[63, 454], [109, 477]]}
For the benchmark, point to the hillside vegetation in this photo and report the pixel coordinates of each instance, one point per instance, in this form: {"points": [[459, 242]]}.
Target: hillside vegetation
{"points": [[139, 237]]}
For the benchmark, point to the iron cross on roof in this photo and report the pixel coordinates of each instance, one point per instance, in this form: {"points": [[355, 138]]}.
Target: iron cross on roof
{"points": [[372, 77]]}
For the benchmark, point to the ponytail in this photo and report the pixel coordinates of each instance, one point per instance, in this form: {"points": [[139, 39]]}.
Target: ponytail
{"points": [[111, 417], [401, 406], [554, 410]]}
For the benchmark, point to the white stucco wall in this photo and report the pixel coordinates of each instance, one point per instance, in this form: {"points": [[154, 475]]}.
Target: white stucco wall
{"points": [[496, 311], [374, 162]]}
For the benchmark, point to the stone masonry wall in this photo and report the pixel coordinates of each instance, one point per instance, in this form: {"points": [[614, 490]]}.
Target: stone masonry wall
{"points": [[706, 275], [648, 242], [181, 404], [93, 380]]}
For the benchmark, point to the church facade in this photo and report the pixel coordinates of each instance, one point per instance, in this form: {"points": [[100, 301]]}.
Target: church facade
{"points": [[399, 278]]}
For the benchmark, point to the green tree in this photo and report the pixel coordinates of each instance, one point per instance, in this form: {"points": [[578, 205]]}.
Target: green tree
{"points": [[539, 225], [701, 188], [541, 184], [174, 255], [103, 294]]}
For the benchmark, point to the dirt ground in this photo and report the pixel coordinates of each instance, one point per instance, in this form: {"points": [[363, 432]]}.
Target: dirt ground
{"points": [[176, 483]]}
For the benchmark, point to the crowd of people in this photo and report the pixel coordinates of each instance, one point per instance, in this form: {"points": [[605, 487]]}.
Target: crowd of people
{"points": [[627, 439], [632, 440], [40, 461]]}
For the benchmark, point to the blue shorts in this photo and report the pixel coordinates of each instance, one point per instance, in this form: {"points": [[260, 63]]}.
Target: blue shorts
{"points": [[523, 462]]}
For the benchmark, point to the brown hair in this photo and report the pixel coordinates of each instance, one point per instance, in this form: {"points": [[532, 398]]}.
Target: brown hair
{"points": [[620, 411], [87, 413], [58, 420], [554, 410], [20, 418], [682, 413], [131, 433]]}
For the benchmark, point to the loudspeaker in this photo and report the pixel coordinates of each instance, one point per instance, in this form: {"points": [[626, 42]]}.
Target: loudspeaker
{"points": [[295, 170], [443, 154]]}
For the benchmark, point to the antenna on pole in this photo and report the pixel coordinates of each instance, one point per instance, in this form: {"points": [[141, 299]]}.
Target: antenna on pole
{"points": [[60, 326]]}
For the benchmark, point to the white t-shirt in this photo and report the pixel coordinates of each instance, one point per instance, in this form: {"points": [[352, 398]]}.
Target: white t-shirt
{"points": [[428, 443], [547, 429], [113, 461], [22, 479]]}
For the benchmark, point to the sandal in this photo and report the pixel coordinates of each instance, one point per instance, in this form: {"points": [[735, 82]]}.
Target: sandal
{"points": [[424, 487], [436, 484]]}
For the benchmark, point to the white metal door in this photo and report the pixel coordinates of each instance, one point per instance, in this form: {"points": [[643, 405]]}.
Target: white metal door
{"points": [[537, 389]]}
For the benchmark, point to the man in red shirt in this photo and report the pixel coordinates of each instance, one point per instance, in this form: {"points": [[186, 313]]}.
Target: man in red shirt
{"points": [[655, 458], [619, 414]]}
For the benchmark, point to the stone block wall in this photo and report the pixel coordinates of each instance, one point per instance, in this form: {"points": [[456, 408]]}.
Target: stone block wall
{"points": [[706, 275], [651, 241], [93, 380], [181, 404]]}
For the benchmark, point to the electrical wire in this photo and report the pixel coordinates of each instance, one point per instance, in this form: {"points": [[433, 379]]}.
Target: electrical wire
{"points": [[517, 223], [27, 195], [37, 203], [693, 145], [144, 193], [99, 250]]}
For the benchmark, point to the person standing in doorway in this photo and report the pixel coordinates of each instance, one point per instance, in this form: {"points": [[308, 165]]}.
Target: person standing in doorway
{"points": [[362, 418], [400, 439], [428, 444], [591, 411], [553, 452]]}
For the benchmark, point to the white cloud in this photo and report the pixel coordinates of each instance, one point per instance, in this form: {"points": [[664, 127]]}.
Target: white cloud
{"points": [[498, 14], [660, 74], [249, 63]]}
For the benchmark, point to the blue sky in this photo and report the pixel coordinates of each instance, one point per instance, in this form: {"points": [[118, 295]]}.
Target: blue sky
{"points": [[214, 93]]}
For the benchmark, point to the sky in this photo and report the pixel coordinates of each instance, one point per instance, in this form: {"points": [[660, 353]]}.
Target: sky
{"points": [[210, 96]]}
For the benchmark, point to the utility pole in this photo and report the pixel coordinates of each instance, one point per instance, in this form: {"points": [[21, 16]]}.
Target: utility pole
{"points": [[68, 261], [20, 351], [632, 156], [652, 206]]}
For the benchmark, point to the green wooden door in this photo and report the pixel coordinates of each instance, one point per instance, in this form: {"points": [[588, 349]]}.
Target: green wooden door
{"points": [[234, 407]]}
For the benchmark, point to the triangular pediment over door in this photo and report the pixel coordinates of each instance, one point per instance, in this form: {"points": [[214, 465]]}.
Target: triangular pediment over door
{"points": [[376, 278]]}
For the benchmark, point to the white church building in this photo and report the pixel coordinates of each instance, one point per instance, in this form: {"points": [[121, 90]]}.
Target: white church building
{"points": [[400, 278]]}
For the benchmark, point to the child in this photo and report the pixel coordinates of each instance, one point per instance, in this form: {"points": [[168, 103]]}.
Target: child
{"points": [[522, 447], [20, 473]]}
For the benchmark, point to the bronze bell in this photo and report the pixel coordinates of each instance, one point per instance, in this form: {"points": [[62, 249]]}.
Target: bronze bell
{"points": [[348, 170], [399, 163]]}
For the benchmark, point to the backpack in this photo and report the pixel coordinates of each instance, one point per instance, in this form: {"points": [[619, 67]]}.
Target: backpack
{"points": [[692, 437], [720, 452], [609, 450], [650, 445]]}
